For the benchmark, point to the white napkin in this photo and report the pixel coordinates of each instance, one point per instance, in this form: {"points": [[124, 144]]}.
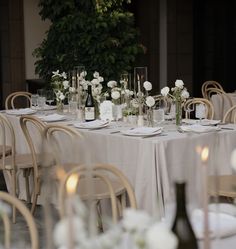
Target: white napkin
{"points": [[52, 117], [220, 224], [92, 124], [202, 122], [225, 208], [199, 128], [23, 111], [144, 130]]}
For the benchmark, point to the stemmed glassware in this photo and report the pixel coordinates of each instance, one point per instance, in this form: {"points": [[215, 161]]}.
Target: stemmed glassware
{"points": [[49, 96], [200, 112]]}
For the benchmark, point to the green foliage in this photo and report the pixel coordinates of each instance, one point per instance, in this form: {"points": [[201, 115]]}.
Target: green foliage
{"points": [[97, 34]]}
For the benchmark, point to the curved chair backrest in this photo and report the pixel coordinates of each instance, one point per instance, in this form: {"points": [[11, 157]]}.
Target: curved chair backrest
{"points": [[210, 84], [230, 115], [62, 138], [7, 131], [11, 98], [194, 101], [12, 201], [213, 90], [29, 126], [107, 173]]}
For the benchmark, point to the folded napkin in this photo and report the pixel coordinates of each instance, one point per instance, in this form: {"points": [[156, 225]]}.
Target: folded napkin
{"points": [[144, 130], [225, 208], [201, 122], [92, 124], [199, 128], [23, 111], [220, 224], [52, 117]]}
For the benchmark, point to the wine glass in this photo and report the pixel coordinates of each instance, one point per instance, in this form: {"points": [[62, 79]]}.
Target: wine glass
{"points": [[34, 100], [49, 96], [200, 112], [188, 109]]}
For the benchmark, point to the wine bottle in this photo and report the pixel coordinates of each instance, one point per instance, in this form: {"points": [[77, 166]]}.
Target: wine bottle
{"points": [[89, 106], [182, 226]]}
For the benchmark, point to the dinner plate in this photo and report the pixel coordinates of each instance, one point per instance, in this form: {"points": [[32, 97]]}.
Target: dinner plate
{"points": [[23, 111], [199, 128], [96, 124], [201, 122], [45, 108], [142, 131], [52, 117]]}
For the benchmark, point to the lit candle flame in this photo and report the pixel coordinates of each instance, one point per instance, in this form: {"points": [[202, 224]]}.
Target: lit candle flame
{"points": [[205, 154], [71, 183]]}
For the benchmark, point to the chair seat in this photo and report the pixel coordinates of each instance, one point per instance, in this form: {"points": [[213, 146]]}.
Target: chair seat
{"points": [[7, 150], [23, 161], [227, 185], [100, 189]]}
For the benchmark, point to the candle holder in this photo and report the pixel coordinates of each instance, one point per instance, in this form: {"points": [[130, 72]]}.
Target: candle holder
{"points": [[80, 75], [140, 76]]}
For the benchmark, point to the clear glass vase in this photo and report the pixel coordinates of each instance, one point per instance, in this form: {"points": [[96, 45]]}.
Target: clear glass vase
{"points": [[60, 106], [178, 112], [150, 117]]}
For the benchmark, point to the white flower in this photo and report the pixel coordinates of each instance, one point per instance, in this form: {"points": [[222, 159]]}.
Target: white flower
{"points": [[111, 83], [83, 74], [97, 91], [115, 95], [61, 96], [96, 74], [100, 79], [179, 84], [233, 159], [55, 73], [134, 103], [165, 91], [95, 81], [65, 84], [72, 90], [131, 93], [159, 236], [185, 94], [135, 220], [147, 85], [64, 75], [61, 233], [150, 101]]}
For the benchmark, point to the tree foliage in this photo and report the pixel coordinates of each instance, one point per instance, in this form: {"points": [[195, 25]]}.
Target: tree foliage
{"points": [[98, 34]]}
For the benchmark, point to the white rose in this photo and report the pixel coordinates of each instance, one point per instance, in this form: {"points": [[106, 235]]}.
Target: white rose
{"points": [[96, 91], [147, 85], [185, 94], [150, 101], [131, 93], [83, 74], [61, 96], [165, 90], [179, 84], [96, 75], [115, 95], [65, 84], [134, 103], [111, 83], [95, 82], [159, 236], [100, 79], [233, 159]]}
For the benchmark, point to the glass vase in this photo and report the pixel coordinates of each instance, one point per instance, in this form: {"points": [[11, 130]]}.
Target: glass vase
{"points": [[150, 117], [60, 106], [178, 112]]}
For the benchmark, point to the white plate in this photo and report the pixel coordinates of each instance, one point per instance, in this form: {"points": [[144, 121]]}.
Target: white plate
{"points": [[96, 124], [23, 111], [46, 108], [52, 117], [202, 122], [199, 128], [142, 131]]}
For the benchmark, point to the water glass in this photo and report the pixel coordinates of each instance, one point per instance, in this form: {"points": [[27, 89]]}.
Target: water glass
{"points": [[41, 102], [73, 107], [158, 116], [34, 100], [200, 111]]}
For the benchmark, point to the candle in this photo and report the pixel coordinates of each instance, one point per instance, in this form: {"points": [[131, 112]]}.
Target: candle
{"points": [[71, 185], [138, 79], [204, 158]]}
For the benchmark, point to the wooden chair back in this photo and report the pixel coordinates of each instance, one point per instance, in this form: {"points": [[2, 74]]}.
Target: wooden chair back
{"points": [[12, 100], [230, 115], [210, 84], [13, 201]]}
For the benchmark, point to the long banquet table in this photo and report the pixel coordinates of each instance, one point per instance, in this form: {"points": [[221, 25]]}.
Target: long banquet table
{"points": [[152, 164]]}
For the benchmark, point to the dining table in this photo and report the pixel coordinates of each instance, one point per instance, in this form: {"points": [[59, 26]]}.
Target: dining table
{"points": [[151, 162]]}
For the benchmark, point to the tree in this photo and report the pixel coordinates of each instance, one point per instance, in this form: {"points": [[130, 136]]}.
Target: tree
{"points": [[98, 34]]}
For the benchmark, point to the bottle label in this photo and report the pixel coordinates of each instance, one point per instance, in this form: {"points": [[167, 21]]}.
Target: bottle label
{"points": [[89, 113]]}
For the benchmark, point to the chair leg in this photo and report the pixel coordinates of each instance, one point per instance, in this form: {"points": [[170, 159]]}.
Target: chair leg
{"points": [[26, 173], [13, 181], [99, 214], [35, 194]]}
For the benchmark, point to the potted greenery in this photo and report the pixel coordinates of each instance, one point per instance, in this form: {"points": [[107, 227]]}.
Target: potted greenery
{"points": [[98, 34]]}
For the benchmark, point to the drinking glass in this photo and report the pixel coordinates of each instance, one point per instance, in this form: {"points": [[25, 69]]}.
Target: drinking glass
{"points": [[41, 102], [158, 116], [200, 111], [41, 92], [190, 108], [49, 96], [34, 100]]}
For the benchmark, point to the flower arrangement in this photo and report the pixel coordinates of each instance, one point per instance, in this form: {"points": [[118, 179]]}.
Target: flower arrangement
{"points": [[179, 95], [136, 226]]}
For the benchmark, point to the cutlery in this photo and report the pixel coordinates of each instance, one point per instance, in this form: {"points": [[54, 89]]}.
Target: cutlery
{"points": [[226, 128], [114, 132], [155, 135]]}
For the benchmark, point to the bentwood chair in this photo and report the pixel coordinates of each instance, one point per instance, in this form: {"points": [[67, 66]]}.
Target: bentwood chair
{"points": [[14, 162], [210, 84], [33, 130], [13, 99], [230, 115], [197, 101], [23, 210], [105, 181]]}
